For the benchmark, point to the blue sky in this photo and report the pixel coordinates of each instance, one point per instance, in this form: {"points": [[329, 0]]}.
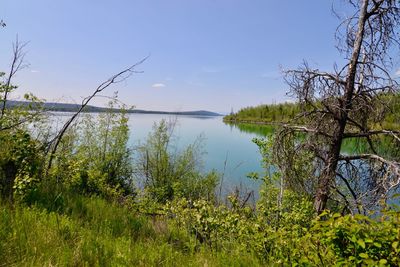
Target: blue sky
{"points": [[205, 54]]}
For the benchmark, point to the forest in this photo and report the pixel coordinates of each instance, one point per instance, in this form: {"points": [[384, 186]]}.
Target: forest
{"points": [[288, 112], [80, 195]]}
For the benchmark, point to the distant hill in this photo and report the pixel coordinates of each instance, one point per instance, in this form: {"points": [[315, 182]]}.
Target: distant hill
{"points": [[65, 107]]}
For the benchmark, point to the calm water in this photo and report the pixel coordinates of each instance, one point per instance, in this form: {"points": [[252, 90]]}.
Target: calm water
{"points": [[227, 148], [221, 143]]}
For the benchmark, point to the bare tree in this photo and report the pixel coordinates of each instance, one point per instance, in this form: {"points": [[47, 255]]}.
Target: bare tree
{"points": [[15, 117], [347, 103], [16, 65]]}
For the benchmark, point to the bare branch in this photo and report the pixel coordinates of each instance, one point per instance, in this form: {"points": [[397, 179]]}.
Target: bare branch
{"points": [[373, 132], [119, 77], [16, 65], [392, 164], [306, 130]]}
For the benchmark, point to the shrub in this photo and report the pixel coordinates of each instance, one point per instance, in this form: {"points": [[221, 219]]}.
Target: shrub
{"points": [[94, 157], [167, 174]]}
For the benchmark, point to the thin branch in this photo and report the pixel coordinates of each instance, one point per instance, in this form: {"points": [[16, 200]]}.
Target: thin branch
{"points": [[16, 65], [347, 185], [119, 77], [298, 128], [370, 133], [392, 164]]}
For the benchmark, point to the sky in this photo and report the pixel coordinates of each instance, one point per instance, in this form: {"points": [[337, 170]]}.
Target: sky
{"points": [[217, 55]]}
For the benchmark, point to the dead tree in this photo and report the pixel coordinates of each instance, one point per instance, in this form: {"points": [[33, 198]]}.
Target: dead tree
{"points": [[348, 103], [12, 118], [6, 87]]}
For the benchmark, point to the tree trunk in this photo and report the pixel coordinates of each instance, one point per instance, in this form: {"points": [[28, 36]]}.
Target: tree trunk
{"points": [[328, 175]]}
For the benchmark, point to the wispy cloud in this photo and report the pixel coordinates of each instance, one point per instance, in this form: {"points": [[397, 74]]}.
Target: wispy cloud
{"points": [[397, 73], [158, 85], [35, 71]]}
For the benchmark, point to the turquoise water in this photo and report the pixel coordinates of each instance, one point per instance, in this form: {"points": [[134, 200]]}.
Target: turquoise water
{"points": [[221, 143], [227, 148]]}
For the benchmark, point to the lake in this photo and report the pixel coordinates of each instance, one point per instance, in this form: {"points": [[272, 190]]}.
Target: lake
{"points": [[221, 143], [228, 148]]}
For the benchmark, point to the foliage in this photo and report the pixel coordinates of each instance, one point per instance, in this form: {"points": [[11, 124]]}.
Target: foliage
{"points": [[90, 231], [293, 237], [12, 118], [247, 118], [282, 112], [84, 230], [391, 118], [94, 156], [360, 240], [168, 173], [21, 156], [20, 163]]}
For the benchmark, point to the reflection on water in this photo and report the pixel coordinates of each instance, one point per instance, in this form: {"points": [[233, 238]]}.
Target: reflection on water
{"points": [[258, 129], [383, 145]]}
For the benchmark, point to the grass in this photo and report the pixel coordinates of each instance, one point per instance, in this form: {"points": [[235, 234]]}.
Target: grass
{"points": [[90, 231], [70, 229]]}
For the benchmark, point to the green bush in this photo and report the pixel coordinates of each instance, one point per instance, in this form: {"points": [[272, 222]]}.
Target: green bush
{"points": [[361, 240], [94, 157], [296, 239], [21, 161], [167, 173]]}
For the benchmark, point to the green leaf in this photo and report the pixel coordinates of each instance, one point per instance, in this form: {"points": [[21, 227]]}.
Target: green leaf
{"points": [[383, 261], [361, 243], [363, 255]]}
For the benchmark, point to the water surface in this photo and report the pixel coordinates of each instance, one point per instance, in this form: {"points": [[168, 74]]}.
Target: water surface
{"points": [[228, 149]]}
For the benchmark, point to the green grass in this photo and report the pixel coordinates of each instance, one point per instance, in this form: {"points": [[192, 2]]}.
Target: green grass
{"points": [[90, 231], [76, 230]]}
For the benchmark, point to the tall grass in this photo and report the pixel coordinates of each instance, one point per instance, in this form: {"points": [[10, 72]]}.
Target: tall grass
{"points": [[90, 231]]}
